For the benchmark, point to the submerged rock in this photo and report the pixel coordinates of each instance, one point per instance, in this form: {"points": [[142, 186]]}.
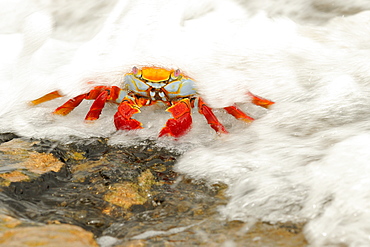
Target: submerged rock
{"points": [[48, 235], [123, 196]]}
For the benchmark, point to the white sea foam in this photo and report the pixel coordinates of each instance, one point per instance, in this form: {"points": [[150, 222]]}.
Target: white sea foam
{"points": [[304, 160]]}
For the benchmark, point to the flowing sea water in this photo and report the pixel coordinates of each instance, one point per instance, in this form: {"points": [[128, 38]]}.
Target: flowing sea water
{"points": [[303, 160]]}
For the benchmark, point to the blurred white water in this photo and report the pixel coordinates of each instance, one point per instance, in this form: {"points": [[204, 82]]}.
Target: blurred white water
{"points": [[304, 160]]}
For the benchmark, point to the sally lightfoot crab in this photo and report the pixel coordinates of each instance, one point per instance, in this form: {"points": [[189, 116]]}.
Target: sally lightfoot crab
{"points": [[148, 86]]}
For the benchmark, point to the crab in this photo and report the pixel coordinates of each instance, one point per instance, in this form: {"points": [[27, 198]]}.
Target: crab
{"points": [[148, 86]]}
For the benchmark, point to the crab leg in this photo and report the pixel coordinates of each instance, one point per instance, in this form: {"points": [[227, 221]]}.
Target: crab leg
{"points": [[47, 97], [122, 118], [181, 121], [71, 104], [257, 100], [238, 114], [211, 117], [101, 94], [97, 106]]}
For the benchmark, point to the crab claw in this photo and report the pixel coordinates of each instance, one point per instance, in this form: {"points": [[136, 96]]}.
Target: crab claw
{"points": [[122, 118], [181, 121]]}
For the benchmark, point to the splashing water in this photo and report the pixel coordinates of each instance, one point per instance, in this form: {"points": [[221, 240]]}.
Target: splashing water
{"points": [[304, 160]]}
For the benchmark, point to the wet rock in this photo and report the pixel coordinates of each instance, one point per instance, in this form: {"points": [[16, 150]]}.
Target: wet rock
{"points": [[13, 176], [20, 163], [42, 163], [8, 222], [5, 137], [49, 235], [129, 196]]}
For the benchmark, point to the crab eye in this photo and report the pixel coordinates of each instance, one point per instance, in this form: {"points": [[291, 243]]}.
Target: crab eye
{"points": [[136, 72], [175, 74]]}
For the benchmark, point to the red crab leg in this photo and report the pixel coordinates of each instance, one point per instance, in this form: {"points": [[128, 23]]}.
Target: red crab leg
{"points": [[211, 117], [238, 114], [47, 97], [257, 100], [97, 106], [71, 104], [181, 121], [101, 94], [122, 118]]}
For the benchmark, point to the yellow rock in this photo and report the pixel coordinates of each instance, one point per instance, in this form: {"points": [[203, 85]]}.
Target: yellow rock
{"points": [[50, 235], [127, 194], [14, 176], [41, 163]]}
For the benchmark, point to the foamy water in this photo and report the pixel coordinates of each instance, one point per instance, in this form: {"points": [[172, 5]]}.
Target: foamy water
{"points": [[303, 160]]}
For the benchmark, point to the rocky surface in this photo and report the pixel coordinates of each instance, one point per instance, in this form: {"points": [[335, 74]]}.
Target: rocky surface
{"points": [[88, 193]]}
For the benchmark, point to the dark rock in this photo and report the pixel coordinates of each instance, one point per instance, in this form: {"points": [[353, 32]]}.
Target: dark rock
{"points": [[130, 193], [5, 137]]}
